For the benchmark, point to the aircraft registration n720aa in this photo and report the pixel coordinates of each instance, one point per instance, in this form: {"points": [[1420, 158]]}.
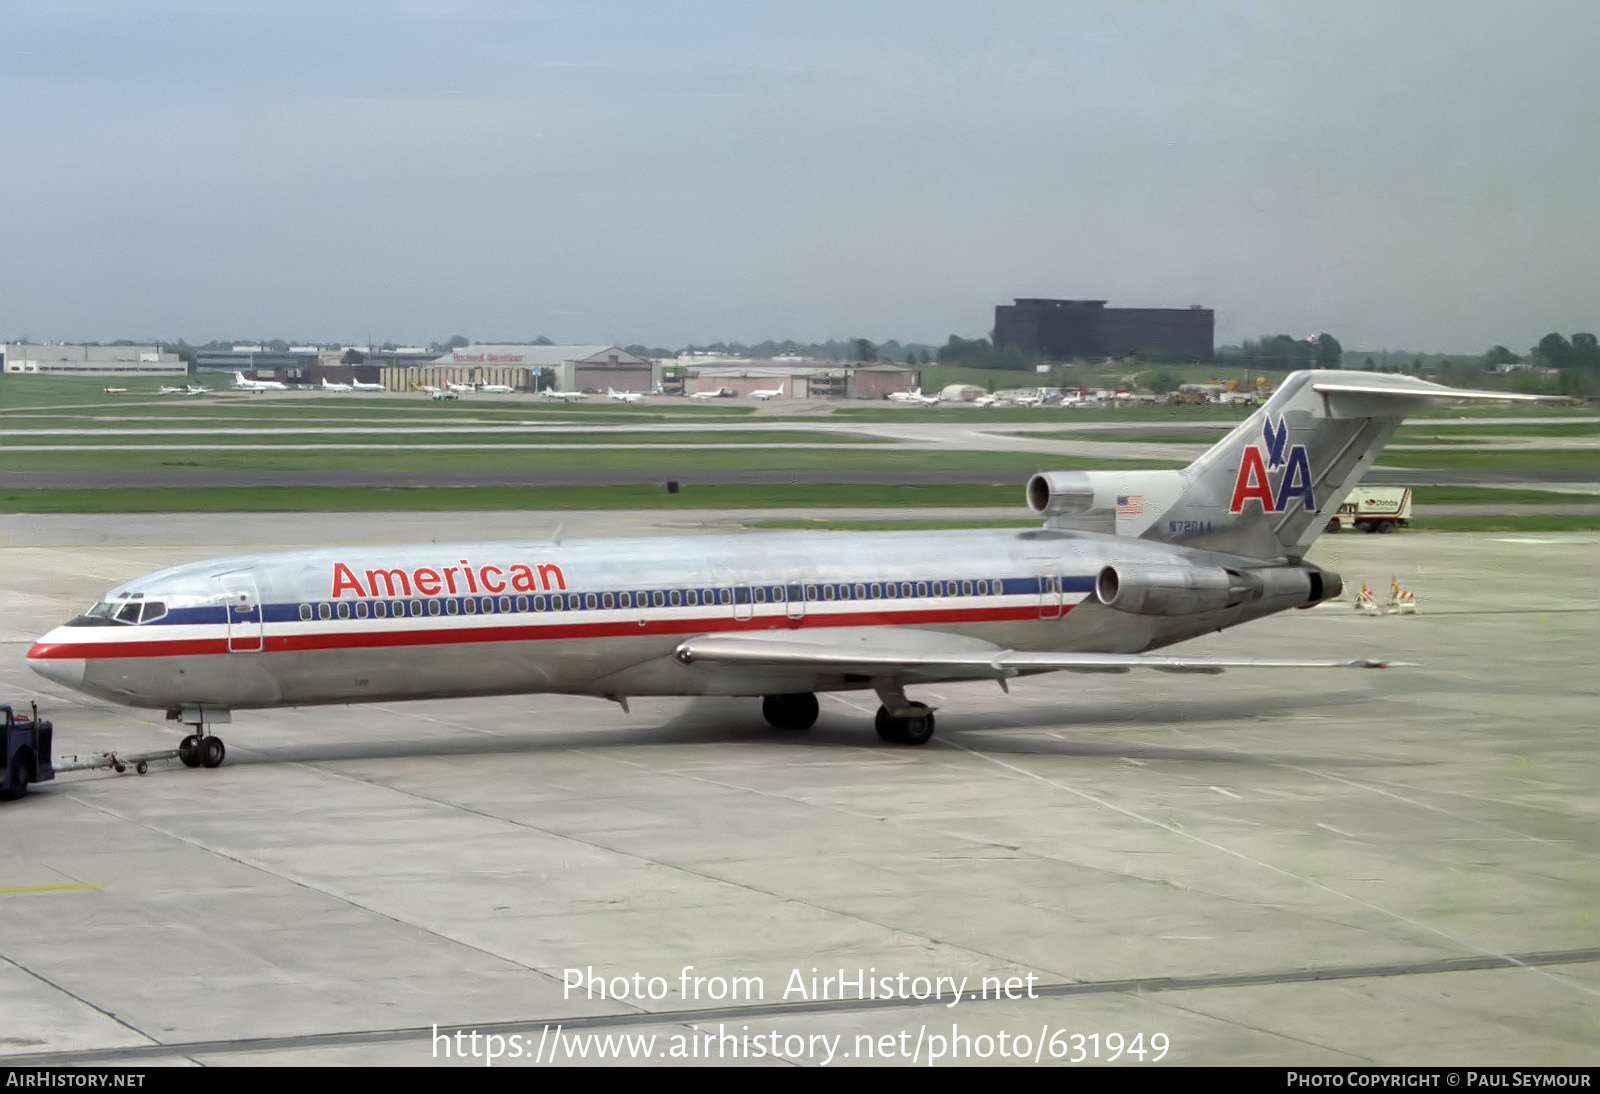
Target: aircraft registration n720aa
{"points": [[1126, 562]]}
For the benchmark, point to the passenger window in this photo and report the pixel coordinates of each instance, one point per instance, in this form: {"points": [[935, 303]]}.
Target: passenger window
{"points": [[574, 601], [324, 611], [727, 596], [361, 609], [760, 594], [659, 598], [892, 589], [505, 603], [380, 608], [469, 606], [451, 607], [827, 592], [305, 611], [691, 597], [877, 591], [522, 603], [488, 603], [589, 601], [922, 588], [608, 600], [344, 610], [861, 592], [966, 588], [905, 588], [674, 599], [434, 608], [811, 592], [416, 607]]}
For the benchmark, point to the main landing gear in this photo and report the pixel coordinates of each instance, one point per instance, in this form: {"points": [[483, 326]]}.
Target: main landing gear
{"points": [[797, 711], [899, 720], [910, 725]]}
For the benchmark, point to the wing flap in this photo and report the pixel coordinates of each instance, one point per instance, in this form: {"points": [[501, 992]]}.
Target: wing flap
{"points": [[910, 653]]}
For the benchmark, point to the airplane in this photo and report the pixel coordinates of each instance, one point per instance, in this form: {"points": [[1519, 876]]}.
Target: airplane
{"points": [[437, 393], [241, 384], [496, 389], [326, 386], [988, 400], [196, 389], [713, 393], [164, 390], [116, 391], [914, 396], [359, 386], [775, 393], [1127, 562], [552, 393], [1030, 400], [624, 396], [460, 389], [190, 389]]}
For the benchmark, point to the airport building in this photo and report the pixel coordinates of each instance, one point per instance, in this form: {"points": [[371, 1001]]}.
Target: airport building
{"points": [[26, 358], [1080, 330], [821, 380], [566, 368]]}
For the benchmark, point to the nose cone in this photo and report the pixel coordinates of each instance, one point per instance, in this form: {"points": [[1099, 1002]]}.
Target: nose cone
{"points": [[44, 658]]}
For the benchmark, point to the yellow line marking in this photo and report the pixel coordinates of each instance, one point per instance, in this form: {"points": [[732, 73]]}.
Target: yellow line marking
{"points": [[44, 888]]}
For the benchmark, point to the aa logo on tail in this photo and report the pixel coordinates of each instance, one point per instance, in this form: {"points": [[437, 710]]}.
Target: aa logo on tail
{"points": [[1293, 470]]}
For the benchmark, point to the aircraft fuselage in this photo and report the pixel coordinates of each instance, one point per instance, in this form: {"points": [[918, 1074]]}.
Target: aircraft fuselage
{"points": [[340, 625]]}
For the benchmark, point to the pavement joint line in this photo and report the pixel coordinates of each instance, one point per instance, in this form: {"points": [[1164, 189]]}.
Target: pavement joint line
{"points": [[1221, 849], [1057, 990]]}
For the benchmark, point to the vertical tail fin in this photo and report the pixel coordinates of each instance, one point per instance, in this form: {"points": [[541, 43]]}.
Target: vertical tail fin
{"points": [[1268, 488]]}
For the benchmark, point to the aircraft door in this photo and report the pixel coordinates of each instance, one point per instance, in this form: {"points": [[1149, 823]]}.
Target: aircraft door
{"points": [[795, 603], [743, 606], [1049, 594], [243, 605]]}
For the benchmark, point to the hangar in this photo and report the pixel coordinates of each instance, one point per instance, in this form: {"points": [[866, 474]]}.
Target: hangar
{"points": [[573, 368]]}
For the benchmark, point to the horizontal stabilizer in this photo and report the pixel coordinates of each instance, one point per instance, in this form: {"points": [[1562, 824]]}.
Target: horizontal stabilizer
{"points": [[906, 654]]}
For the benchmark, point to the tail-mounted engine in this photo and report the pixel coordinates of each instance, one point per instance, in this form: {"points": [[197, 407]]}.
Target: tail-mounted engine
{"points": [[1190, 590]]}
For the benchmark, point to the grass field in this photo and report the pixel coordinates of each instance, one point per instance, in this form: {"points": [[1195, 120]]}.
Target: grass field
{"points": [[265, 435], [661, 462], [1531, 523], [1498, 459], [285, 499]]}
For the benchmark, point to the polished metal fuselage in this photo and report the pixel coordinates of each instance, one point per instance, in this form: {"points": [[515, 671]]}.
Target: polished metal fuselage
{"points": [[359, 624]]}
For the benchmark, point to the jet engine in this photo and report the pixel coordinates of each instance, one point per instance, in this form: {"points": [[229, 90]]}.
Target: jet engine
{"points": [[1190, 590]]}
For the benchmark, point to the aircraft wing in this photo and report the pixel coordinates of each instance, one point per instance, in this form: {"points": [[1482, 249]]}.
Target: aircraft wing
{"points": [[907, 654]]}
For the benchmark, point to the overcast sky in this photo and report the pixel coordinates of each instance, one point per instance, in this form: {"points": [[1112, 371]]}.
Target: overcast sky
{"points": [[1420, 175]]}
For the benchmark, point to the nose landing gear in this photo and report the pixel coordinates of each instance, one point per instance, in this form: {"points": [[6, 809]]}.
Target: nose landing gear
{"points": [[197, 751], [202, 748]]}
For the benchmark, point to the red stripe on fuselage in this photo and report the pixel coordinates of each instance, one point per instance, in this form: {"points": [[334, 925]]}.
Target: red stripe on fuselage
{"points": [[542, 632]]}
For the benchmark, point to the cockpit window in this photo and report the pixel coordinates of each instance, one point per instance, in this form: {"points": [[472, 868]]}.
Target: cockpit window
{"points": [[109, 613]]}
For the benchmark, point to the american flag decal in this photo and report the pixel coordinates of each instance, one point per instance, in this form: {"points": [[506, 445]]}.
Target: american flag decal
{"points": [[1130, 504]]}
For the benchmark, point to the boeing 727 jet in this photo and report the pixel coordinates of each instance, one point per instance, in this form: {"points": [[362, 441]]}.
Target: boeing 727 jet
{"points": [[1126, 563]]}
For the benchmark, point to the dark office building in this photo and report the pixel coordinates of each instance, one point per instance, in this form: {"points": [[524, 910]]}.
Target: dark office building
{"points": [[1065, 330]]}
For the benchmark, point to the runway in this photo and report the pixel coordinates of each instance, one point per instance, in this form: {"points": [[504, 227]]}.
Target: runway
{"points": [[1319, 868]]}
